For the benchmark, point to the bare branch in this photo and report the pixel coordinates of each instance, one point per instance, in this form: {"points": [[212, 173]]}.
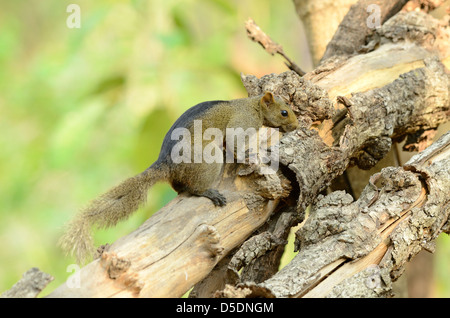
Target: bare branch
{"points": [[257, 35]]}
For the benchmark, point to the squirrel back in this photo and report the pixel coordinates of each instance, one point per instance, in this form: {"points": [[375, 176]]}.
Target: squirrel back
{"points": [[195, 178], [185, 121]]}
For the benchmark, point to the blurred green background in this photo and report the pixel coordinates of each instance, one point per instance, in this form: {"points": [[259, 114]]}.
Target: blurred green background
{"points": [[82, 109]]}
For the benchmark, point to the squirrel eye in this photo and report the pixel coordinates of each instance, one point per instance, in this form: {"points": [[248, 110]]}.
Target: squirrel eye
{"points": [[284, 113]]}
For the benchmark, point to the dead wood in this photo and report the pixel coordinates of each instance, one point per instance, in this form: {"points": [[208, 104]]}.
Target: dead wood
{"points": [[31, 284], [257, 35], [360, 22], [364, 106], [398, 87], [321, 20], [357, 248]]}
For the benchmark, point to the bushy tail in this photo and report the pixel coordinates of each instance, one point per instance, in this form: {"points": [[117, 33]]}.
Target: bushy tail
{"points": [[107, 210]]}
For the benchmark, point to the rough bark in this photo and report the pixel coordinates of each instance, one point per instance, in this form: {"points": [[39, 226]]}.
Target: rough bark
{"points": [[357, 25], [357, 248], [321, 20], [371, 115], [181, 243], [350, 40], [362, 128], [31, 284]]}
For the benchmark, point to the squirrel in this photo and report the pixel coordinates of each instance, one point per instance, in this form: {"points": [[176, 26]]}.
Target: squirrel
{"points": [[194, 178]]}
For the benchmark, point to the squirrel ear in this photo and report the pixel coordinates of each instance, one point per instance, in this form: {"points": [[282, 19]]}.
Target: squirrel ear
{"points": [[267, 99]]}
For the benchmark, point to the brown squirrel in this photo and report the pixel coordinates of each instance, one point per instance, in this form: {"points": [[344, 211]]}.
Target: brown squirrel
{"points": [[192, 177]]}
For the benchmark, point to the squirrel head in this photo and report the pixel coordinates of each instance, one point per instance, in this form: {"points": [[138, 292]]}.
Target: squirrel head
{"points": [[277, 114]]}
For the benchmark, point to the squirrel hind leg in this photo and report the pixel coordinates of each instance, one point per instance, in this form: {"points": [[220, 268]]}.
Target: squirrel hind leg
{"points": [[215, 196], [199, 180]]}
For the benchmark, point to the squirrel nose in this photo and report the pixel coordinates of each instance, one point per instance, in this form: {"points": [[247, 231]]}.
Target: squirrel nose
{"points": [[290, 127]]}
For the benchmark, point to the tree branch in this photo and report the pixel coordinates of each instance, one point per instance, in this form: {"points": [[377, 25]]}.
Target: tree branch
{"points": [[31, 284], [376, 107], [356, 249], [257, 35], [354, 29], [396, 89]]}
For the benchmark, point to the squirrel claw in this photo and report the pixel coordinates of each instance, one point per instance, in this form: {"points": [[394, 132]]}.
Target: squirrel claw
{"points": [[215, 196]]}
